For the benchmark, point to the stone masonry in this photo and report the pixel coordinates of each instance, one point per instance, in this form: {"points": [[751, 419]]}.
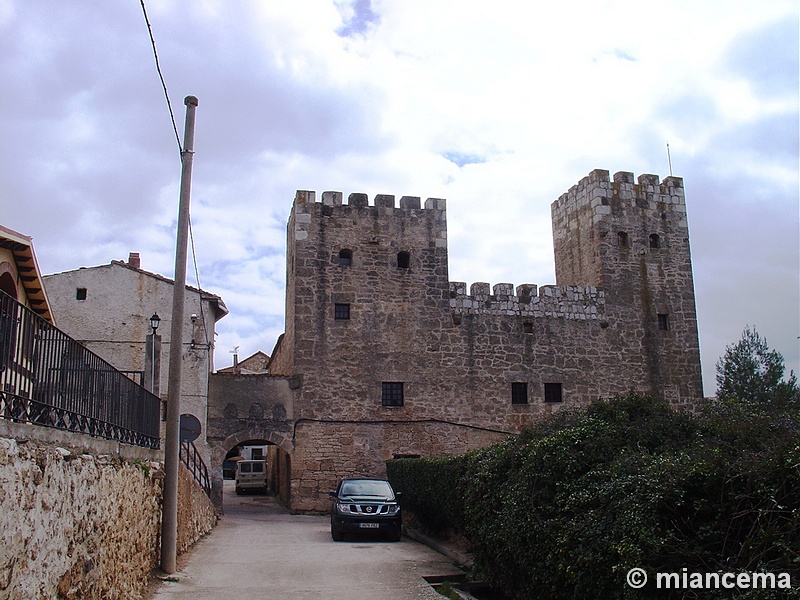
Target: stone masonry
{"points": [[80, 517], [390, 358]]}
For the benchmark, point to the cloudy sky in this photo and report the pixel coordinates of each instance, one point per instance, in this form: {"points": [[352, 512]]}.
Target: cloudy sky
{"points": [[499, 107]]}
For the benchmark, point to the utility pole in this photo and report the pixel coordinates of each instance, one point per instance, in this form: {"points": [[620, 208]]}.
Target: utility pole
{"points": [[172, 447]]}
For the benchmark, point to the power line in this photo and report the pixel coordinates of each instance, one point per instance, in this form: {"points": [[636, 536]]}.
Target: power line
{"points": [[161, 76], [180, 149], [197, 276]]}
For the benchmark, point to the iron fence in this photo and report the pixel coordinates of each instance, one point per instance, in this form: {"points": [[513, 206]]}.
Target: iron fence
{"points": [[49, 379]]}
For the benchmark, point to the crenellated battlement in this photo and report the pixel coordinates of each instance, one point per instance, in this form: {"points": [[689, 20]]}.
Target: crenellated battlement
{"points": [[568, 302], [599, 192], [360, 200], [419, 225]]}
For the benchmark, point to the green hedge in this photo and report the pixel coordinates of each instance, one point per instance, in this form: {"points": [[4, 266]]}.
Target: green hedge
{"points": [[567, 508]]}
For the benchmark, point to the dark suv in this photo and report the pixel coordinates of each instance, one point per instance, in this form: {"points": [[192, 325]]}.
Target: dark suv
{"points": [[365, 505]]}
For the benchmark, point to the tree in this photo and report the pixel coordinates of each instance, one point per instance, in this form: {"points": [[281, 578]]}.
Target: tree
{"points": [[751, 372]]}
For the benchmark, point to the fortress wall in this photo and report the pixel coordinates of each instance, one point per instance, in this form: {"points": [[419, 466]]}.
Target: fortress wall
{"points": [[327, 452], [462, 354], [529, 300]]}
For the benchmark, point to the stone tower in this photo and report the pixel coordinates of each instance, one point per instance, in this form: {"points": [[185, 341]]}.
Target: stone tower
{"points": [[631, 239], [356, 275]]}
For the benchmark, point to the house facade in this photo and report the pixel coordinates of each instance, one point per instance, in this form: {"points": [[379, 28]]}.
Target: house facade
{"points": [[108, 309]]}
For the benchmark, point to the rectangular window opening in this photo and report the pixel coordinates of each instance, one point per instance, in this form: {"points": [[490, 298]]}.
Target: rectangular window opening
{"points": [[553, 393], [80, 293], [663, 322], [519, 393], [392, 393], [341, 312]]}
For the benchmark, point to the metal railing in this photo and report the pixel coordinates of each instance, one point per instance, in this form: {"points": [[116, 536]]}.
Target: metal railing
{"points": [[197, 467], [49, 379]]}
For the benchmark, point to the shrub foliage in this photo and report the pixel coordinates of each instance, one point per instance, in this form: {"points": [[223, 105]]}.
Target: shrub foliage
{"points": [[565, 509]]}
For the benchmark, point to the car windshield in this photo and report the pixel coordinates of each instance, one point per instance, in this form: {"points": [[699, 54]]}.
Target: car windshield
{"points": [[380, 489]]}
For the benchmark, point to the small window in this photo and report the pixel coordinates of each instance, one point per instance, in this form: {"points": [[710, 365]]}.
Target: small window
{"points": [[622, 239], [345, 257], [392, 393], [655, 241], [403, 260], [663, 322], [80, 294], [341, 312], [527, 327], [519, 393], [552, 393]]}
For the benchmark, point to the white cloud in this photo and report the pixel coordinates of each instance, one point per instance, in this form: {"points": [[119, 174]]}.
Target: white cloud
{"points": [[353, 95]]}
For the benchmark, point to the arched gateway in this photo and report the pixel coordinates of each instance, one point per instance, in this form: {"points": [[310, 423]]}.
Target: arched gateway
{"points": [[246, 407]]}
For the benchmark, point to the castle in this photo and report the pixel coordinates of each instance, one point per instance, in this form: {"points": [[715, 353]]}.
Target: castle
{"points": [[387, 357]]}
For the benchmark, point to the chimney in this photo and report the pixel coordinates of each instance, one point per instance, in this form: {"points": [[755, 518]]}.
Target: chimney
{"points": [[133, 260]]}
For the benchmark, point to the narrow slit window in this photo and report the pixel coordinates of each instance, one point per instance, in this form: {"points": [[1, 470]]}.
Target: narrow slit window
{"points": [[622, 239], [519, 393], [345, 257], [655, 241], [403, 260], [392, 393], [663, 322], [553, 393], [341, 312]]}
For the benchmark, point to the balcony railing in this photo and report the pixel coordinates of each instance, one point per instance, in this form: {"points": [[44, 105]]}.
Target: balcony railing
{"points": [[49, 379]]}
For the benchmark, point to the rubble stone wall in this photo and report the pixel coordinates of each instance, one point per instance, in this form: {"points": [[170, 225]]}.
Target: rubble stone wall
{"points": [[81, 520]]}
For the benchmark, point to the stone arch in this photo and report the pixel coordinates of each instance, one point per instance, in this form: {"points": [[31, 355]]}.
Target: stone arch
{"points": [[221, 446]]}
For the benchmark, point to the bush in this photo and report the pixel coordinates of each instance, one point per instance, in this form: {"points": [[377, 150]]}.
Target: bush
{"points": [[565, 510], [431, 489]]}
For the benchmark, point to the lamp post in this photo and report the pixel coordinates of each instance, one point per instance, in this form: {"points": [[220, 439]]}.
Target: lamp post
{"points": [[155, 350]]}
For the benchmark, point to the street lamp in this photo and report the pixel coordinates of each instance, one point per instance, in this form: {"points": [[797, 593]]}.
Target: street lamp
{"points": [[153, 351], [154, 322]]}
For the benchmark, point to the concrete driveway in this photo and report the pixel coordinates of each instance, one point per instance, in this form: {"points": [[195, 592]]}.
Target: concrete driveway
{"points": [[258, 550]]}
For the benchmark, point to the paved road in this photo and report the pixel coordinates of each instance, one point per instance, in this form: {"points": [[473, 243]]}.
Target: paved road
{"points": [[258, 550]]}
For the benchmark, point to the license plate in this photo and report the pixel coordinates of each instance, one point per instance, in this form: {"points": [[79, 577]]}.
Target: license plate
{"points": [[369, 525]]}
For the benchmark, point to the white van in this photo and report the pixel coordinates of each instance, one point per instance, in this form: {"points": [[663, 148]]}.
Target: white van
{"points": [[251, 475]]}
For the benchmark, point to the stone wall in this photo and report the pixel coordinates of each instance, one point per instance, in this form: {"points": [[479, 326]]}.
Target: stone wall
{"points": [[196, 514], [80, 517], [328, 451]]}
